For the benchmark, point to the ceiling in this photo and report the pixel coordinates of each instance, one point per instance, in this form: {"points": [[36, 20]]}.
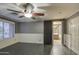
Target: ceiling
{"points": [[53, 11]]}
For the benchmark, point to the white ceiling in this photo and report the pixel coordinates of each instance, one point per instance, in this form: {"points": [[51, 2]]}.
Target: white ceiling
{"points": [[60, 11], [42, 4], [53, 11]]}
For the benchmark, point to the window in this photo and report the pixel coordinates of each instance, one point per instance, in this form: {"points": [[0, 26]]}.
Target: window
{"points": [[1, 30], [7, 30]]}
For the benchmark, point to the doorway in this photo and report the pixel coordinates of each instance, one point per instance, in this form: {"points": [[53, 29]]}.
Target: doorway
{"points": [[57, 32]]}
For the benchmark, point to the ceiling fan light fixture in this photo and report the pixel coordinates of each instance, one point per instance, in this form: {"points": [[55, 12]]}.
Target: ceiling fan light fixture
{"points": [[28, 15]]}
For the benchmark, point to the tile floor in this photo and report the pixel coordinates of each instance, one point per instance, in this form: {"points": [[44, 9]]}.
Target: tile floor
{"points": [[35, 49]]}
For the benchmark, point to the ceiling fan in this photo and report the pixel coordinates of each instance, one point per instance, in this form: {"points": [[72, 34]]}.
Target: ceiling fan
{"points": [[28, 11]]}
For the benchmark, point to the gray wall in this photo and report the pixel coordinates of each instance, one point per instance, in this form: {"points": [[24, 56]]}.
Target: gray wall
{"points": [[17, 30], [30, 27]]}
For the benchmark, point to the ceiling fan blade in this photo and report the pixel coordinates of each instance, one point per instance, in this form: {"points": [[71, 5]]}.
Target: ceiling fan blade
{"points": [[14, 10], [14, 13], [21, 16], [38, 14]]}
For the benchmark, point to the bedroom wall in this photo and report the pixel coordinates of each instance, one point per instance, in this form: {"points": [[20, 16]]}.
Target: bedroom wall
{"points": [[30, 32], [72, 36]]}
